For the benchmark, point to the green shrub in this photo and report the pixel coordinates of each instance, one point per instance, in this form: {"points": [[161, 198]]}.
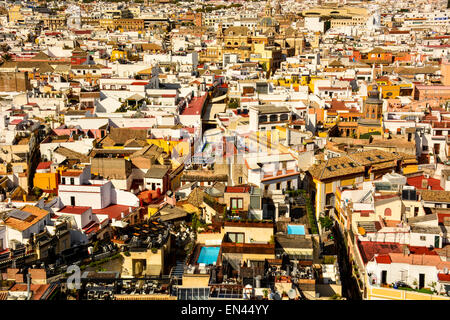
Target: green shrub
{"points": [[310, 212], [326, 222], [329, 260]]}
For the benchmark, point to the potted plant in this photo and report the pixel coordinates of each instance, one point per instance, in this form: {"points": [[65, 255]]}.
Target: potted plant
{"points": [[266, 294]]}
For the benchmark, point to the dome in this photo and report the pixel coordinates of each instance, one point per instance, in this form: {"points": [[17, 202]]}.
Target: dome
{"points": [[268, 22]]}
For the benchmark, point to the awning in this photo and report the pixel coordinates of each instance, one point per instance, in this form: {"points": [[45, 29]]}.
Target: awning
{"points": [[217, 99], [119, 224]]}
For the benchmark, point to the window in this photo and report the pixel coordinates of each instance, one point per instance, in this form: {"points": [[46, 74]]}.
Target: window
{"points": [[236, 237], [72, 201], [72, 181], [423, 238], [63, 180], [237, 203], [240, 180]]}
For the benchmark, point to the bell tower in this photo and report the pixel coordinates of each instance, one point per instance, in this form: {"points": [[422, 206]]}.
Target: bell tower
{"points": [[373, 105], [268, 10], [219, 34]]}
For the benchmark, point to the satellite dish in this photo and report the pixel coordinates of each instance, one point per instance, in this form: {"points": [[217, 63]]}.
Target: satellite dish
{"points": [[292, 294]]}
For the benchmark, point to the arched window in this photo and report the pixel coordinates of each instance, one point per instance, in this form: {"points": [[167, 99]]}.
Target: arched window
{"points": [[387, 212], [262, 118], [273, 118], [284, 117]]}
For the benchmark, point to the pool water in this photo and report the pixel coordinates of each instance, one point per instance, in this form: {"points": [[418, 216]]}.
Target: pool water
{"points": [[296, 229], [208, 255]]}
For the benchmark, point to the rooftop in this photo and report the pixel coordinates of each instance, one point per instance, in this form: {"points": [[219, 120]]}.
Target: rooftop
{"points": [[22, 222]]}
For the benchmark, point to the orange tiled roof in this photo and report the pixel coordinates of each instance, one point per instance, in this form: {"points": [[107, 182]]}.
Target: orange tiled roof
{"points": [[37, 214]]}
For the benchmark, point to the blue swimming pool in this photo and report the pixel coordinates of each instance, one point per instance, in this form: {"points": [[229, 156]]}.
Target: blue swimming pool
{"points": [[295, 229], [208, 255]]}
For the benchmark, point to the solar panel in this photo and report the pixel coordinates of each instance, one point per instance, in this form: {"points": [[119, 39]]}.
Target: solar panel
{"points": [[18, 214]]}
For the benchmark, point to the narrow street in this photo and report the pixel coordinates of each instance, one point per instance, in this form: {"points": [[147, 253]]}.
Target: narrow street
{"points": [[350, 288]]}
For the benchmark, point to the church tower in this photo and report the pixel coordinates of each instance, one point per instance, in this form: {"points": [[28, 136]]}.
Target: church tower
{"points": [[219, 34], [373, 106], [268, 10]]}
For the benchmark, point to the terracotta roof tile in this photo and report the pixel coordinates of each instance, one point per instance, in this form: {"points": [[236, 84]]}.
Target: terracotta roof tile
{"points": [[37, 215]]}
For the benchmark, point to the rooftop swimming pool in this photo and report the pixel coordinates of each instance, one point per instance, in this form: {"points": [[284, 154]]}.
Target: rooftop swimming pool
{"points": [[208, 255], [296, 229]]}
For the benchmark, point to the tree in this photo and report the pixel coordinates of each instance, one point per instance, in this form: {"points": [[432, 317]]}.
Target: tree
{"points": [[326, 222], [264, 66], [37, 191], [195, 222], [233, 104], [224, 215]]}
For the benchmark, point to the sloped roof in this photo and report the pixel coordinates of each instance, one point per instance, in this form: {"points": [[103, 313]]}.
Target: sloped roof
{"points": [[335, 167], [135, 143], [196, 197], [41, 56], [37, 215], [150, 151], [157, 172], [121, 135], [435, 195], [71, 154]]}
